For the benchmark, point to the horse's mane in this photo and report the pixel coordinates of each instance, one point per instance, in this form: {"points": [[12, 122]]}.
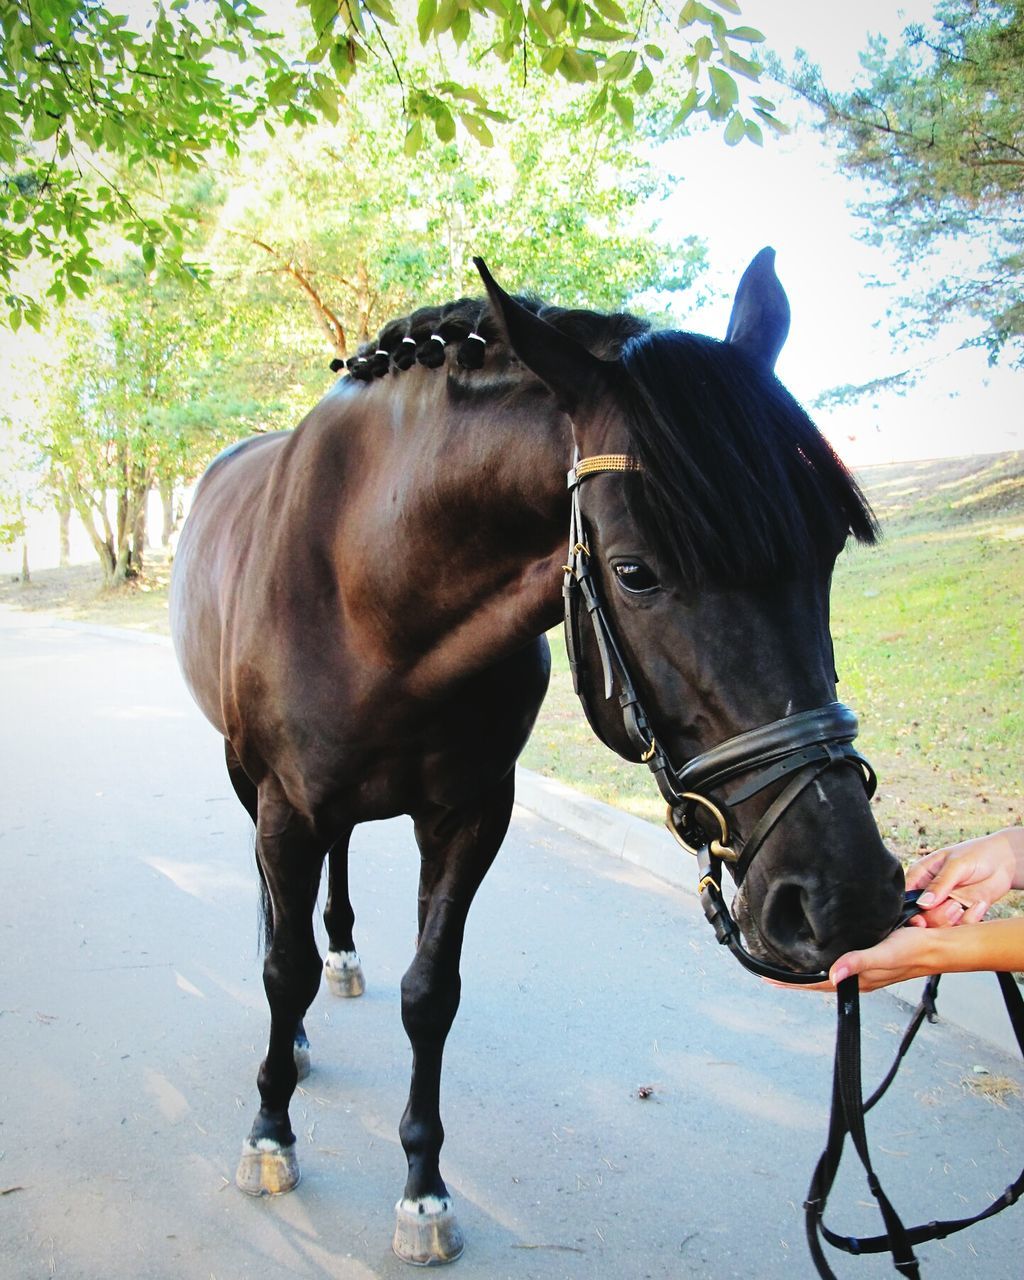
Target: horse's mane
{"points": [[737, 484], [469, 326]]}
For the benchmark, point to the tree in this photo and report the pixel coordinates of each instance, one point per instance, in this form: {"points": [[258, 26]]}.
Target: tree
{"points": [[938, 130], [326, 219], [142, 400], [95, 114]]}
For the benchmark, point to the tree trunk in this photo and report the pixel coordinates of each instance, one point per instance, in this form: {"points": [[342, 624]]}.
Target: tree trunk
{"points": [[119, 576], [167, 504], [25, 575], [139, 535], [103, 546], [64, 514]]}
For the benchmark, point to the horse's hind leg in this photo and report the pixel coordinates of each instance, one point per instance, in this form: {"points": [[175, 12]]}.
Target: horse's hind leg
{"points": [[248, 795], [291, 860], [457, 848], [342, 967]]}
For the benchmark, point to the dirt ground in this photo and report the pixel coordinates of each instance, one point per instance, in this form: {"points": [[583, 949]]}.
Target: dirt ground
{"points": [[76, 592]]}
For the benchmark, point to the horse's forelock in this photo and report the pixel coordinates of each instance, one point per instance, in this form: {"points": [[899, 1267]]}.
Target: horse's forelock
{"points": [[737, 484]]}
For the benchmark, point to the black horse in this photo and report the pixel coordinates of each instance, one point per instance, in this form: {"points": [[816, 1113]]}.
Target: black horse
{"points": [[359, 608]]}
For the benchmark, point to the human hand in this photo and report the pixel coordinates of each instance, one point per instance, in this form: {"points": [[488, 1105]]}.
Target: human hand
{"points": [[907, 953], [962, 882]]}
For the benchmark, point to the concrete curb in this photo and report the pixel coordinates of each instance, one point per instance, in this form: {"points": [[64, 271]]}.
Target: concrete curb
{"points": [[970, 1001]]}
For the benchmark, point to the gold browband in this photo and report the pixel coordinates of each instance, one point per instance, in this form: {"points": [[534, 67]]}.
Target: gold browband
{"points": [[606, 462]]}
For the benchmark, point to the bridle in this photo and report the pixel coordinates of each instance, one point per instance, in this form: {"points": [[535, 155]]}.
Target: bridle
{"points": [[796, 748], [799, 749]]}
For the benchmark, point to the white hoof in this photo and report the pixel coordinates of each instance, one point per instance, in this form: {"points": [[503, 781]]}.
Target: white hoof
{"points": [[267, 1169], [344, 973], [426, 1232]]}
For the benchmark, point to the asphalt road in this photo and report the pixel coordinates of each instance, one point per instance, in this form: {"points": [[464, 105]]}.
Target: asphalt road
{"points": [[132, 1021]]}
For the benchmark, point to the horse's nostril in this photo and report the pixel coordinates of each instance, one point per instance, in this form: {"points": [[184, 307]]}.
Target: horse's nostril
{"points": [[785, 917]]}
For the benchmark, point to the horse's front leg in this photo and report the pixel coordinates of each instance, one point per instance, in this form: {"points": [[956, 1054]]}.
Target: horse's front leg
{"points": [[290, 860], [457, 847], [342, 966]]}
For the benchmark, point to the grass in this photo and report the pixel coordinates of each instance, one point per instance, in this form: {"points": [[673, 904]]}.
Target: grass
{"points": [[928, 633]]}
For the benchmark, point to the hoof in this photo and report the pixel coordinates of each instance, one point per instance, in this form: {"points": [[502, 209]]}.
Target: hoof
{"points": [[267, 1169], [344, 973], [302, 1058], [426, 1232]]}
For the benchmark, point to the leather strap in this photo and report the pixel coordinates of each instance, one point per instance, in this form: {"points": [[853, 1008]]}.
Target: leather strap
{"points": [[847, 1118]]}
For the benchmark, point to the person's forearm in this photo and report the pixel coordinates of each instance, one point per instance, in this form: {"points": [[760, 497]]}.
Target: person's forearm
{"points": [[997, 944]]}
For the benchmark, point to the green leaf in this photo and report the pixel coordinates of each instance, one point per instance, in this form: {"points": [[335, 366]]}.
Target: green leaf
{"points": [[602, 31], [772, 121], [620, 65], [382, 9], [735, 130], [478, 129], [750, 34], [611, 11], [446, 14], [45, 126], [326, 100], [549, 63], [444, 124], [425, 15], [688, 13], [730, 6], [461, 26], [745, 66], [413, 138], [642, 81], [623, 108], [703, 48], [686, 109], [723, 87], [754, 133], [655, 52]]}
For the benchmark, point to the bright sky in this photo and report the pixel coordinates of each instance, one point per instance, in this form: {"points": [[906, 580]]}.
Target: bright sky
{"points": [[788, 195]]}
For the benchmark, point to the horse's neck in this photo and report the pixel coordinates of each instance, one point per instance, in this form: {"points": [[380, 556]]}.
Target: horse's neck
{"points": [[467, 512]]}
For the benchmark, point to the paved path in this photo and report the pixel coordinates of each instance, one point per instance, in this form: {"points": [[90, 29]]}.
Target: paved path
{"points": [[132, 1021]]}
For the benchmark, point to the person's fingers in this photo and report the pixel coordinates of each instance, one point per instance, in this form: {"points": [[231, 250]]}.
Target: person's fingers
{"points": [[975, 912], [942, 916], [955, 872], [800, 986], [923, 872], [852, 962]]}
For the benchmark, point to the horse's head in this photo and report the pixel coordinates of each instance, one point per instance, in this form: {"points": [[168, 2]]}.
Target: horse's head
{"points": [[710, 513]]}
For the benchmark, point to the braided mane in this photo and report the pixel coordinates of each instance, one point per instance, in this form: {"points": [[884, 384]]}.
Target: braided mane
{"points": [[468, 325]]}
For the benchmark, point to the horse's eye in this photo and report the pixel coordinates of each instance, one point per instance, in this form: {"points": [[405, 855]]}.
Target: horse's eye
{"points": [[635, 577]]}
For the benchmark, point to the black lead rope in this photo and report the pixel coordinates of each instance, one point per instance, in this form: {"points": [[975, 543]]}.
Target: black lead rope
{"points": [[847, 1118]]}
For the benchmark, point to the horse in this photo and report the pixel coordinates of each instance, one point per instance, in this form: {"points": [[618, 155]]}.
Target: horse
{"points": [[360, 609]]}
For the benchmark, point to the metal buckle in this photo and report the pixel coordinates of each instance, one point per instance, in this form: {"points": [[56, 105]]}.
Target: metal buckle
{"points": [[718, 848]]}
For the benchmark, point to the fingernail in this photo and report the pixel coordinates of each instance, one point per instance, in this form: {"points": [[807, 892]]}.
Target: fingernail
{"points": [[926, 899], [953, 911], [838, 974]]}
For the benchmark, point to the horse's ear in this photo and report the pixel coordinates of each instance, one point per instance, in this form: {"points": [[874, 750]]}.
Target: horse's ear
{"points": [[572, 373], [760, 313]]}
